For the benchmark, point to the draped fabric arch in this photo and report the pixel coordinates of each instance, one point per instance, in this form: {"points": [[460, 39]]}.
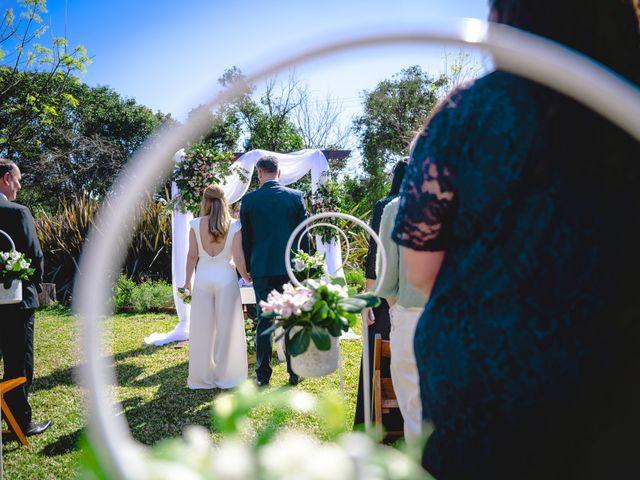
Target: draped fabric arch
{"points": [[293, 166]]}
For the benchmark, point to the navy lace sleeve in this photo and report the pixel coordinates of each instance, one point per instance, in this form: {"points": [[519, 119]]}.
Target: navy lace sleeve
{"points": [[427, 197]]}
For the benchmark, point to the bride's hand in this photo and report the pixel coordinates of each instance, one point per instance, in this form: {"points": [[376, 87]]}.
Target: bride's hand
{"points": [[187, 287]]}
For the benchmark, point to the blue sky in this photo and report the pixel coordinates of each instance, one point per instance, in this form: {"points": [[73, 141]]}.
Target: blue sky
{"points": [[168, 54]]}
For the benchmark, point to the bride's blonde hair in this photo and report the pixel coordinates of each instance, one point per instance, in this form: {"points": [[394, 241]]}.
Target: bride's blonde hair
{"points": [[216, 209]]}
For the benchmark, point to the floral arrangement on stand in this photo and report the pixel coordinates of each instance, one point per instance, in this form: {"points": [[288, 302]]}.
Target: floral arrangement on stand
{"points": [[14, 266], [306, 266], [329, 197], [314, 312], [270, 450], [201, 167]]}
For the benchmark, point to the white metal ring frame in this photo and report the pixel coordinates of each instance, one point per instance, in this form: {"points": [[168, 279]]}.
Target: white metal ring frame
{"points": [[515, 51], [307, 231]]}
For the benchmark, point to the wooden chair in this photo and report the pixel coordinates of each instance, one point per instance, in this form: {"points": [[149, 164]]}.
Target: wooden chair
{"points": [[384, 397], [5, 387]]}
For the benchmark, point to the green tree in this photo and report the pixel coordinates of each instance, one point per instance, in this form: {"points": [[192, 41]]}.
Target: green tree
{"points": [[86, 146], [392, 113], [28, 101]]}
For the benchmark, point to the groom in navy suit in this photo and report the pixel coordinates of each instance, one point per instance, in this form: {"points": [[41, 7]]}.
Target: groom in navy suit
{"points": [[268, 216]]}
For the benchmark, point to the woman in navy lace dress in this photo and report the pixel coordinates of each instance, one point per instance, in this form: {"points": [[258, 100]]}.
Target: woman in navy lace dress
{"points": [[526, 208]]}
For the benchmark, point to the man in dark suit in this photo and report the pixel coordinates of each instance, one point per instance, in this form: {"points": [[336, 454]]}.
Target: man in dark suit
{"points": [[17, 320], [268, 216]]}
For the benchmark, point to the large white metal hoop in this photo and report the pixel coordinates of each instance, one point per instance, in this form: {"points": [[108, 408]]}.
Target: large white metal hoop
{"points": [[515, 51], [307, 231]]}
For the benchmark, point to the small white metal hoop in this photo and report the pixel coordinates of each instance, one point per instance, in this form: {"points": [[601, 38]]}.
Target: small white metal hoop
{"points": [[345, 216], [307, 231], [13, 245]]}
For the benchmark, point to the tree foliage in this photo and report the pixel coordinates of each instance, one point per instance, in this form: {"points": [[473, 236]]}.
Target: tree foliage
{"points": [[21, 54], [392, 113], [84, 147]]}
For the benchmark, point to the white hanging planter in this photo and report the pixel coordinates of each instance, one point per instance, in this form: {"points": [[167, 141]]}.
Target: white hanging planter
{"points": [[13, 294], [314, 362]]}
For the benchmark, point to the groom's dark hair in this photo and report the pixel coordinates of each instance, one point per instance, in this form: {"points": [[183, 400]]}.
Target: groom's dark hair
{"points": [[268, 164], [6, 166]]}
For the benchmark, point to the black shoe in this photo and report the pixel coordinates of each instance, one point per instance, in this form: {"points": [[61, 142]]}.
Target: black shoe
{"points": [[294, 380], [260, 384], [30, 430]]}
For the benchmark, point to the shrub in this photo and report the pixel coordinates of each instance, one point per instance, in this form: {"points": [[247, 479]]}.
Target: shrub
{"points": [[124, 292], [355, 279], [62, 236], [151, 296]]}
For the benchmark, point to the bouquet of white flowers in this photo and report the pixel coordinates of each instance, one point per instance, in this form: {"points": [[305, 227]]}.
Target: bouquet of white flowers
{"points": [[14, 266], [308, 266]]}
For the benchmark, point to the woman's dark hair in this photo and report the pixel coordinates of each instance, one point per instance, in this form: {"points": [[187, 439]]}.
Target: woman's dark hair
{"points": [[605, 30], [398, 176], [578, 142]]}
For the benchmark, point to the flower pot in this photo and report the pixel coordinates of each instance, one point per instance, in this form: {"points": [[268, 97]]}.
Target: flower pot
{"points": [[13, 294], [316, 363]]}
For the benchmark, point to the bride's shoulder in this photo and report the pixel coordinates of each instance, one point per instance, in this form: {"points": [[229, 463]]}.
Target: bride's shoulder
{"points": [[195, 222]]}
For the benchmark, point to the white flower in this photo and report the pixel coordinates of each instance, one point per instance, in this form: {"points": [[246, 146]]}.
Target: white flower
{"points": [[24, 264], [198, 438], [329, 462], [308, 305], [302, 401], [338, 289], [165, 470], [233, 461], [298, 265], [284, 457]]}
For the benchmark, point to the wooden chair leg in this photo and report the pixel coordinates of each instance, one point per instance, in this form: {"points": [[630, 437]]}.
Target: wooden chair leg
{"points": [[5, 387], [14, 425]]}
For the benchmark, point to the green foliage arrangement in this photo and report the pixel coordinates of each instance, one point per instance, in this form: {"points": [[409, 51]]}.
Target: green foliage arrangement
{"points": [[318, 308], [14, 266], [201, 167]]}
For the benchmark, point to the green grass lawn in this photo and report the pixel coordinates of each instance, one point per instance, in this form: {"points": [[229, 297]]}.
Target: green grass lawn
{"points": [[152, 388]]}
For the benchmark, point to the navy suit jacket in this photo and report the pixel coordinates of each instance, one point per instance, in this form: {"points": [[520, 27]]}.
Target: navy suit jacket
{"points": [[17, 221], [268, 216]]}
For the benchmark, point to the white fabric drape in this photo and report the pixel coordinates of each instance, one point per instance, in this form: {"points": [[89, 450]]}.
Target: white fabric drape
{"points": [[179, 247], [293, 166]]}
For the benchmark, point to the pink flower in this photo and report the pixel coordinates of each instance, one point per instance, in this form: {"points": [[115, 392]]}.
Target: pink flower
{"points": [[266, 307]]}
